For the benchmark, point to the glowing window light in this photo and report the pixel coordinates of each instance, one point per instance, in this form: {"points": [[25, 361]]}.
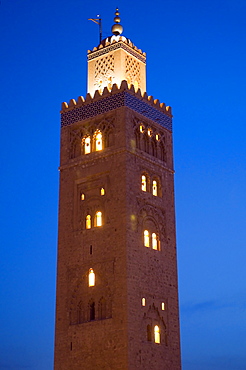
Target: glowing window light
{"points": [[154, 188], [149, 132], [91, 278], [102, 191], [88, 222], [154, 241], [87, 145], [157, 137], [157, 334], [98, 141], [163, 306], [144, 183], [141, 128], [82, 196], [98, 219], [143, 301], [146, 238]]}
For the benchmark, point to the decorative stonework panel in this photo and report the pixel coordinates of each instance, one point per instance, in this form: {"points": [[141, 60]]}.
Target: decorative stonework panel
{"points": [[104, 72], [132, 71], [113, 102]]}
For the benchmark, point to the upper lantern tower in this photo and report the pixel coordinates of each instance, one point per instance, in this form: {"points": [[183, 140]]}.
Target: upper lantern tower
{"points": [[114, 60]]}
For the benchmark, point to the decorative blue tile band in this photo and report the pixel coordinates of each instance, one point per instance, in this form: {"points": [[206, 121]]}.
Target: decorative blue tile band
{"points": [[89, 110]]}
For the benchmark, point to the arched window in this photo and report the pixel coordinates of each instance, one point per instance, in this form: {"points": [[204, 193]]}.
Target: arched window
{"points": [[154, 241], [87, 144], [154, 188], [144, 183], [157, 334], [143, 301], [88, 222], [98, 219], [102, 191], [146, 238], [92, 311], [82, 197], [98, 140], [149, 336], [102, 309], [91, 278]]}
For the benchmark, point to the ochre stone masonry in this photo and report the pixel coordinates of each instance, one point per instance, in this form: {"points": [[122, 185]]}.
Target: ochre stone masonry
{"points": [[117, 225]]}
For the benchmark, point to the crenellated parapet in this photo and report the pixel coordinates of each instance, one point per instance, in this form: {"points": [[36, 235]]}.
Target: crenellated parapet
{"points": [[88, 107]]}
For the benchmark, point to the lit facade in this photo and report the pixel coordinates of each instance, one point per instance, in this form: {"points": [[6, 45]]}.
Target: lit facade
{"points": [[117, 294]]}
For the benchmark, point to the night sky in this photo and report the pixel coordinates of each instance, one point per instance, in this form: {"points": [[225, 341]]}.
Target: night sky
{"points": [[196, 62]]}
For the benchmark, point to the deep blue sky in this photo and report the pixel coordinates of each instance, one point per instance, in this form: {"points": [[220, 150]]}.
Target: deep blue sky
{"points": [[196, 63]]}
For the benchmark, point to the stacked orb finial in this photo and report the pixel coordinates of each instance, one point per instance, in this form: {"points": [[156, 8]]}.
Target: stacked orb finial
{"points": [[117, 28]]}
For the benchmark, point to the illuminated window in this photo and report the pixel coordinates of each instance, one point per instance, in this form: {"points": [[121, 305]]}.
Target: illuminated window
{"points": [[149, 132], [141, 128], [154, 241], [143, 302], [87, 145], [98, 219], [88, 222], [144, 183], [82, 196], [157, 334], [102, 191], [163, 306], [146, 238], [91, 278], [157, 137], [154, 188], [98, 141]]}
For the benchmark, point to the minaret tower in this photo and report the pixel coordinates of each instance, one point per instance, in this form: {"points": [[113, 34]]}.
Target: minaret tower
{"points": [[117, 293]]}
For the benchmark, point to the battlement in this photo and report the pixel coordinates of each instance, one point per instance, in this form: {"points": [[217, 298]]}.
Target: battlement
{"points": [[82, 109], [81, 101]]}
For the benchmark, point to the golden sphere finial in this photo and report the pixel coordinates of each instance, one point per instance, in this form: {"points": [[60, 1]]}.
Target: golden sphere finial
{"points": [[117, 28]]}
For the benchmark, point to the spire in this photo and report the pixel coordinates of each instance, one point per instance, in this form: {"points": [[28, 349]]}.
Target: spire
{"points": [[117, 28]]}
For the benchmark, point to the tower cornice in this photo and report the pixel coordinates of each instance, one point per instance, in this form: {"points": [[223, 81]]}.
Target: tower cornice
{"points": [[116, 42], [83, 109]]}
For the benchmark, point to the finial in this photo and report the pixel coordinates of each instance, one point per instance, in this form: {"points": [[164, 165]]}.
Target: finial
{"points": [[117, 28]]}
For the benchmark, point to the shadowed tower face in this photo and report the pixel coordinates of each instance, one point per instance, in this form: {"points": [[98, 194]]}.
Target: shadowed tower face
{"points": [[117, 295]]}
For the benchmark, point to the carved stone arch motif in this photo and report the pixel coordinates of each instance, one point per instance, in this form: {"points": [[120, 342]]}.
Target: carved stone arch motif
{"points": [[153, 147], [92, 205], [148, 212], [137, 137], [88, 304], [161, 151], [75, 143]]}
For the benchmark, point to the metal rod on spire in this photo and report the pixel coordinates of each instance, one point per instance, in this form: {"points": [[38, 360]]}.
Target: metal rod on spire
{"points": [[98, 21]]}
